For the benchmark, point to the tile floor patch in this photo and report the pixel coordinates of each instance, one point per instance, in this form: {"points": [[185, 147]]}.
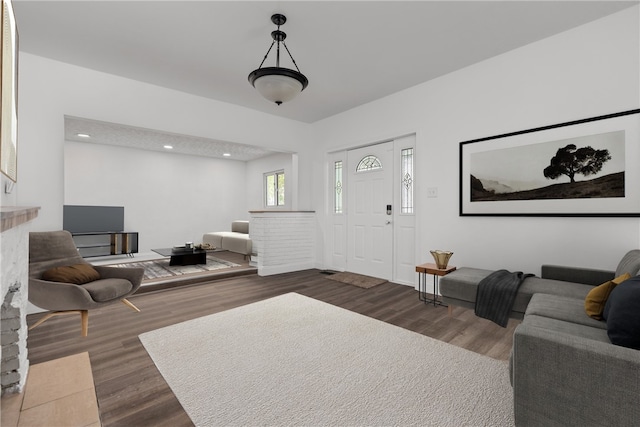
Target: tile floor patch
{"points": [[78, 409], [10, 410], [59, 392], [56, 379]]}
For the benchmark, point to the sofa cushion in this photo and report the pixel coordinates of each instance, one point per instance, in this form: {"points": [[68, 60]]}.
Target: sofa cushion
{"points": [[462, 283], [587, 276], [534, 285], [240, 227], [77, 274], [214, 239], [570, 328], [597, 297], [622, 313], [108, 289], [237, 242], [562, 308], [230, 241]]}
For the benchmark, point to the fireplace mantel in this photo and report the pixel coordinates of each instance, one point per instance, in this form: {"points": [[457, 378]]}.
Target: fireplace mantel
{"points": [[13, 216]]}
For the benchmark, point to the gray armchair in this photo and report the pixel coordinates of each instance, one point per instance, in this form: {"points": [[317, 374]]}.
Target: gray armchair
{"points": [[51, 249]]}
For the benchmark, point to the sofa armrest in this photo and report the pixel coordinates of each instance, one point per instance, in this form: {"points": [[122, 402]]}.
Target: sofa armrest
{"points": [[561, 379], [588, 276]]}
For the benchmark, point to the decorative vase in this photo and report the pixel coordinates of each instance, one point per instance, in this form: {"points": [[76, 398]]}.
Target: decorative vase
{"points": [[442, 258]]}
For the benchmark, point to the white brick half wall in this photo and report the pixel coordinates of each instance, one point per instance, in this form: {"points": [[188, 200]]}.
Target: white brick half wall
{"points": [[283, 241]]}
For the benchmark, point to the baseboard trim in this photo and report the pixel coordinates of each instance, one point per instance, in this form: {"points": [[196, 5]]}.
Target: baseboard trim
{"points": [[285, 268]]}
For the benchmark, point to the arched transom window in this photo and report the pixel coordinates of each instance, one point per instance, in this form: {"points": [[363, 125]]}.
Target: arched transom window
{"points": [[369, 163]]}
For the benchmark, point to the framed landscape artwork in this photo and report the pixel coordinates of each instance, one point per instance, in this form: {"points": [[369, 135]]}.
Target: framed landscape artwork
{"points": [[588, 167], [9, 93]]}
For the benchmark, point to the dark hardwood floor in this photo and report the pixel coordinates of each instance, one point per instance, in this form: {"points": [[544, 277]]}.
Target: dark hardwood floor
{"points": [[131, 391]]}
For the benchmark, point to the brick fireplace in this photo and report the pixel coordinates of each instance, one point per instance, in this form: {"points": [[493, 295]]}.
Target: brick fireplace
{"points": [[14, 273]]}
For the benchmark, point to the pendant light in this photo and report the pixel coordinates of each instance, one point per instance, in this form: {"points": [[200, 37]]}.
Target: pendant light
{"points": [[278, 84]]}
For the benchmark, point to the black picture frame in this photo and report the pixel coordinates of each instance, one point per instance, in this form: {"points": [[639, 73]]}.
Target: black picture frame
{"points": [[581, 168]]}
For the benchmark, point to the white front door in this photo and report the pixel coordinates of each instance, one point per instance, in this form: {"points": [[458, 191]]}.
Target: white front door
{"points": [[370, 194]]}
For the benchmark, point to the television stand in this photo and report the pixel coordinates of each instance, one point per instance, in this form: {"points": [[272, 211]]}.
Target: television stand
{"points": [[104, 243]]}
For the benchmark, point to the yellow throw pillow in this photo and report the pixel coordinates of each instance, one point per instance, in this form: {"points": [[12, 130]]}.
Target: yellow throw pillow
{"points": [[78, 274], [597, 297]]}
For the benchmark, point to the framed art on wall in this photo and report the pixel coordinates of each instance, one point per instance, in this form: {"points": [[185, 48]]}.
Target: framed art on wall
{"points": [[9, 93], [586, 167]]}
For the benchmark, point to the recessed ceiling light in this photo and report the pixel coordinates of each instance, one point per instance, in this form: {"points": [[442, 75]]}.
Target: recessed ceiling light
{"points": [[227, 155], [169, 147], [83, 135]]}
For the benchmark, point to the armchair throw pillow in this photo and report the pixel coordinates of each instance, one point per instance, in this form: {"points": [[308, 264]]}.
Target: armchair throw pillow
{"points": [[78, 274]]}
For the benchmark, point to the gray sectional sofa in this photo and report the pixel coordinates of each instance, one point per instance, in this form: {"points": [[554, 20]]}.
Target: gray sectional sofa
{"points": [[565, 371], [459, 288]]}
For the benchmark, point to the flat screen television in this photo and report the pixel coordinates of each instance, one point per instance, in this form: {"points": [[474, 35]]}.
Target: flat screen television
{"points": [[92, 219]]}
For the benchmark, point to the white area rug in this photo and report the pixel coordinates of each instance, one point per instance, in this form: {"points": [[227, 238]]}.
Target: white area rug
{"points": [[293, 360]]}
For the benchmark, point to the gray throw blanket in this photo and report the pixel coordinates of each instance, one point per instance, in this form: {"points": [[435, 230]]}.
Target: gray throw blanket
{"points": [[496, 294]]}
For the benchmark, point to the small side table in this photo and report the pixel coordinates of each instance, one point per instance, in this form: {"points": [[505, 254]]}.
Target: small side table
{"points": [[429, 268]]}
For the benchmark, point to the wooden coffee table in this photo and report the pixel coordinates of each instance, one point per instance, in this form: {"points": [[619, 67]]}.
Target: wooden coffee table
{"points": [[182, 256]]}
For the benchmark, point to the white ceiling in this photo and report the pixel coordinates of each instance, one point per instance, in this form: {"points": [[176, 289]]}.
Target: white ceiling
{"points": [[353, 52], [148, 139]]}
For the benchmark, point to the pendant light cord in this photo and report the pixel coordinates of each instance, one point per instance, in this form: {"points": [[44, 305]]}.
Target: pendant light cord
{"points": [[278, 54], [267, 54], [292, 60]]}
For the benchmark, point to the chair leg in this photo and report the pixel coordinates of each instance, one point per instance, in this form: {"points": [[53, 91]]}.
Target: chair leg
{"points": [[450, 310], [43, 319], [130, 305], [84, 315]]}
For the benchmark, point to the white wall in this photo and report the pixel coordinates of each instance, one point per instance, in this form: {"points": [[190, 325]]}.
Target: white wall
{"points": [[589, 71], [255, 180], [6, 199], [169, 198], [49, 90]]}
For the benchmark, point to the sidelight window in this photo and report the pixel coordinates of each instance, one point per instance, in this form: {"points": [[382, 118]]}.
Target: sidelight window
{"points": [[406, 192], [337, 187]]}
